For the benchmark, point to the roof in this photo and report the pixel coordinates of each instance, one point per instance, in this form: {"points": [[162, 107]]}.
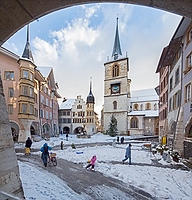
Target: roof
{"points": [[168, 53], [90, 97], [67, 104], [116, 47], [144, 95], [145, 113], [27, 51]]}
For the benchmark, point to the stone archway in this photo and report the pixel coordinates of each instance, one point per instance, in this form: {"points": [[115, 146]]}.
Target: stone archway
{"points": [[15, 131], [78, 130], [47, 129], [28, 11], [66, 130]]}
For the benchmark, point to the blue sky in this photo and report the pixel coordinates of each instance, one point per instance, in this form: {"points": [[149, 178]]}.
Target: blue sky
{"points": [[76, 42]]}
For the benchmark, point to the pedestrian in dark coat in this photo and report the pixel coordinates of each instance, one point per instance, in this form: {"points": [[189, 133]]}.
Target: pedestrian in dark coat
{"points": [[28, 143], [62, 144], [67, 135], [128, 154]]}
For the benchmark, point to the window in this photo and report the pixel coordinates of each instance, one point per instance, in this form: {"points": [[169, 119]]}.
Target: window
{"points": [[25, 90], [9, 75], [46, 114], [171, 84], [141, 106], [155, 106], [50, 104], [36, 112], [136, 107], [115, 71], [134, 122], [148, 106], [114, 105], [24, 108], [25, 74], [177, 76], [11, 92], [31, 109], [30, 76], [177, 100], [188, 93], [35, 97], [79, 106], [42, 113], [189, 35], [47, 102], [42, 99], [31, 92], [170, 104], [189, 60], [10, 109]]}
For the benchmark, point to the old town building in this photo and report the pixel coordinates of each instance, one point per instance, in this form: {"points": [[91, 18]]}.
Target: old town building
{"points": [[25, 86], [176, 62], [77, 116]]}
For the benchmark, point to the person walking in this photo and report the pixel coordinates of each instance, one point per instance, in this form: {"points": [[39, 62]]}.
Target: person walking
{"points": [[62, 144], [45, 153], [67, 135], [128, 154], [28, 144], [92, 163]]}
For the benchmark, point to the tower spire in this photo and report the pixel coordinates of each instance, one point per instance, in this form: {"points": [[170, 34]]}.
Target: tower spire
{"points": [[116, 47], [90, 97], [27, 51], [90, 85]]}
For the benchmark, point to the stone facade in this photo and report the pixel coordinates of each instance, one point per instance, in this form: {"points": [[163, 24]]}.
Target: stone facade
{"points": [[178, 59], [116, 94], [9, 171], [77, 116]]}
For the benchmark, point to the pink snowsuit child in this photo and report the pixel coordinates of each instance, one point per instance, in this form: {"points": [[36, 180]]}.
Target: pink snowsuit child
{"points": [[92, 162]]}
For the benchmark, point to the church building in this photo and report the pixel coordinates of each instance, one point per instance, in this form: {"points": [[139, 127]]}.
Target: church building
{"points": [[118, 100]]}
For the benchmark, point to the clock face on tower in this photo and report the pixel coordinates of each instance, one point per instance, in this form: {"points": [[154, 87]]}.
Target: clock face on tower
{"points": [[115, 88]]}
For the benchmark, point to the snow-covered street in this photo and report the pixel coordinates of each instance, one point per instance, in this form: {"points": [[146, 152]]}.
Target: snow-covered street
{"points": [[162, 181]]}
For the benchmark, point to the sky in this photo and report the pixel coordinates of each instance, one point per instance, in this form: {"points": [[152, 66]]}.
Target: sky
{"points": [[162, 183], [77, 41]]}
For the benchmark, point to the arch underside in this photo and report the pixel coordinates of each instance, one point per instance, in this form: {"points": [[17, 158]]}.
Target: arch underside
{"points": [[16, 14]]}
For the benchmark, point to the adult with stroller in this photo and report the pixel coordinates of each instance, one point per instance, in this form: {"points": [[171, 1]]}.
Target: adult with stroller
{"points": [[45, 153], [128, 154]]}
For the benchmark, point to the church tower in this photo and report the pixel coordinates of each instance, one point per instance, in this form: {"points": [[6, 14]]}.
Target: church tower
{"points": [[90, 114], [117, 88]]}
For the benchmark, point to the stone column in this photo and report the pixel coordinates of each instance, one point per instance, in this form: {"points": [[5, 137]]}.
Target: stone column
{"points": [[9, 171]]}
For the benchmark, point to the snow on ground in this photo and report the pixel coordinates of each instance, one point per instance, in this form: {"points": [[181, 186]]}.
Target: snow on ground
{"points": [[163, 183]]}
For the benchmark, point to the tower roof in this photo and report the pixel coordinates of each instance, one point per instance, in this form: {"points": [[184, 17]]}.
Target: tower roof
{"points": [[116, 47], [90, 97], [27, 51]]}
